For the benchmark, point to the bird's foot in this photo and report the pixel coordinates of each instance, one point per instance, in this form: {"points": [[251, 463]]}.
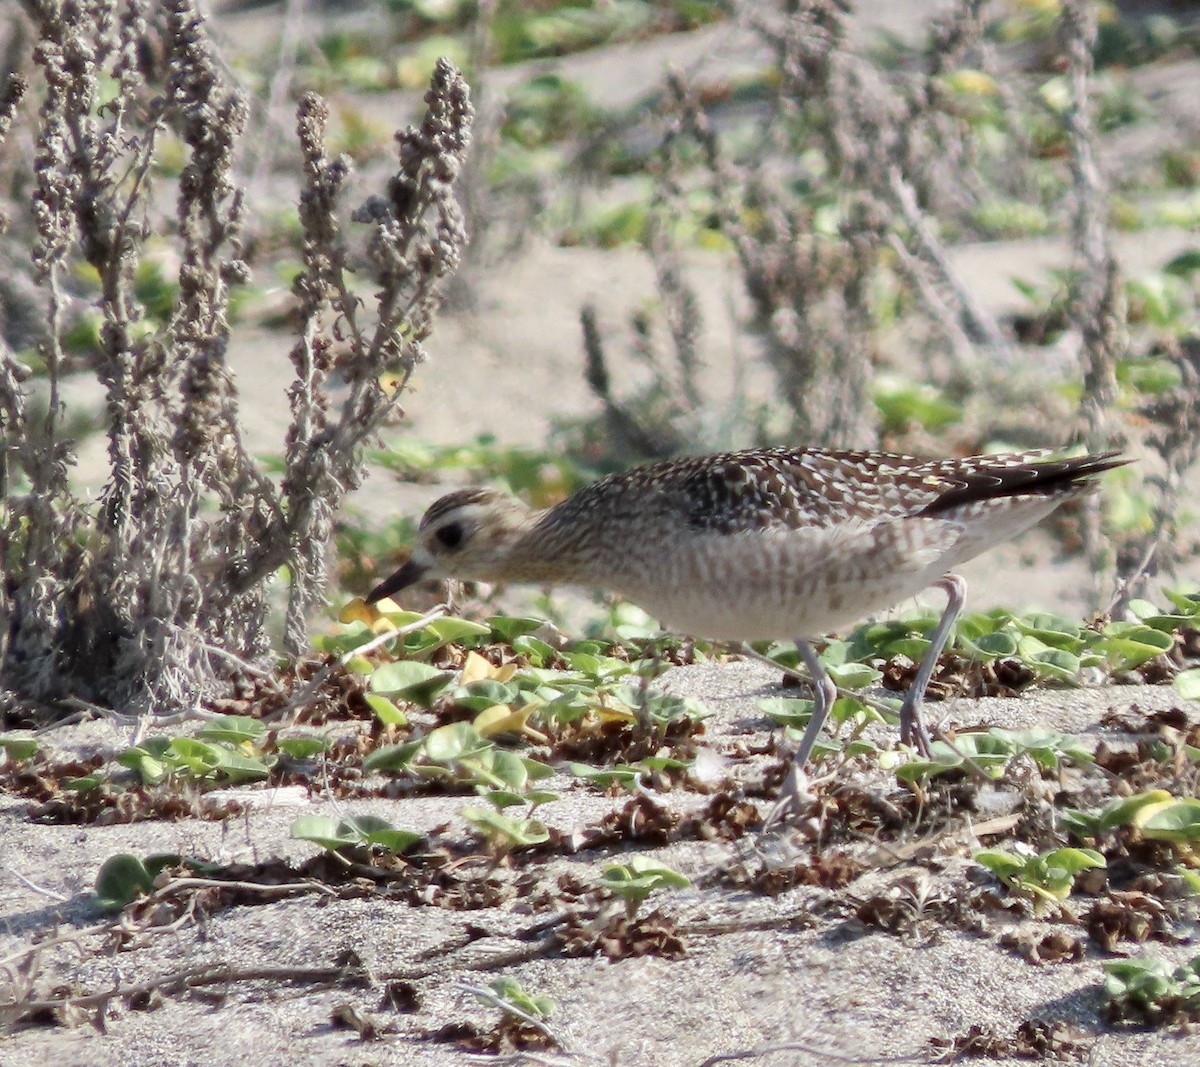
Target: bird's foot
{"points": [[912, 727], [795, 797]]}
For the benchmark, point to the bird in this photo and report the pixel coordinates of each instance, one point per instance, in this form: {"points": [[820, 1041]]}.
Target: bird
{"points": [[762, 544]]}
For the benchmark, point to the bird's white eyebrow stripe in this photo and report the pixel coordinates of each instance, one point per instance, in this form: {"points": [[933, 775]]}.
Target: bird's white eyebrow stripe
{"points": [[452, 502]]}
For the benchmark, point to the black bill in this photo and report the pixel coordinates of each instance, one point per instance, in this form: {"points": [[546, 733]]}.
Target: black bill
{"points": [[411, 573]]}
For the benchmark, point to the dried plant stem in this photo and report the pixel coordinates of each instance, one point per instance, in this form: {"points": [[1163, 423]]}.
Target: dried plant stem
{"points": [[156, 597]]}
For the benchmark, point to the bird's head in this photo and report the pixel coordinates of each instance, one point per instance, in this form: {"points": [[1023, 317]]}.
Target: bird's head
{"points": [[469, 535]]}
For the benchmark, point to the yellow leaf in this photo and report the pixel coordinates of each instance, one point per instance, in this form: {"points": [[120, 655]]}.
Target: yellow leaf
{"points": [[1147, 811], [387, 606], [501, 719], [615, 715], [382, 625], [358, 610], [475, 669]]}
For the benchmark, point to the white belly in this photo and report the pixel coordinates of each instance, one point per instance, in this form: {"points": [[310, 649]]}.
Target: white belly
{"points": [[787, 584]]}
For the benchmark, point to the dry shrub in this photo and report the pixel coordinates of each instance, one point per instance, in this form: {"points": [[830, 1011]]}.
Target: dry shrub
{"points": [[156, 591]]}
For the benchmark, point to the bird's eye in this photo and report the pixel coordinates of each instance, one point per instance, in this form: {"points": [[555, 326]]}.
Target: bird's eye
{"points": [[451, 535]]}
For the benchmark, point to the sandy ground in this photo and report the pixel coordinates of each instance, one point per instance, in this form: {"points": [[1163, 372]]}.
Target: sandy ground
{"points": [[758, 970]]}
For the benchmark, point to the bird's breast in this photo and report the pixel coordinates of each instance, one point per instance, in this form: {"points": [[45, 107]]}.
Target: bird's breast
{"points": [[779, 583]]}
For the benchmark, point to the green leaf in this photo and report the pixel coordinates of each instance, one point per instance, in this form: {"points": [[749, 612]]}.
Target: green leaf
{"points": [[1184, 264], [658, 764], [323, 830], [851, 709], [1142, 609], [395, 841], [1056, 663], [1045, 747], [1080, 823], [538, 651], [1190, 879], [510, 627], [631, 624], [786, 711], [450, 630], [1129, 645], [512, 992], [506, 831], [303, 747], [1002, 863], [503, 798], [486, 693], [239, 767], [145, 760], [1186, 603], [622, 775], [913, 648], [1054, 631], [124, 877], [1074, 860], [787, 656], [233, 729], [1049, 876], [637, 879], [410, 680], [359, 665], [355, 634], [508, 768], [18, 748], [86, 783], [203, 759], [353, 831], [991, 752], [536, 770], [1187, 684], [399, 619], [385, 711], [393, 757], [997, 645], [198, 758], [1176, 821], [362, 826], [454, 742], [1124, 812], [854, 675], [1130, 971], [903, 402], [565, 708]]}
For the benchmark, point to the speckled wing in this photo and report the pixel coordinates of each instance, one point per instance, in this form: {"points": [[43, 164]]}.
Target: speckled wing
{"points": [[801, 488], [792, 488], [970, 484], [822, 487]]}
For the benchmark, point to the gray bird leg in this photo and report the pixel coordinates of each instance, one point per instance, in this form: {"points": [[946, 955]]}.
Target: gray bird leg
{"points": [[912, 729]]}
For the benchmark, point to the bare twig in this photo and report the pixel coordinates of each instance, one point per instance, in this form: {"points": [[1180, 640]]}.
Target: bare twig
{"points": [[41, 890]]}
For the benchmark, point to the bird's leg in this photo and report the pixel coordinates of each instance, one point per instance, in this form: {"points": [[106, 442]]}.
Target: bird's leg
{"points": [[824, 694], [794, 792], [912, 729]]}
